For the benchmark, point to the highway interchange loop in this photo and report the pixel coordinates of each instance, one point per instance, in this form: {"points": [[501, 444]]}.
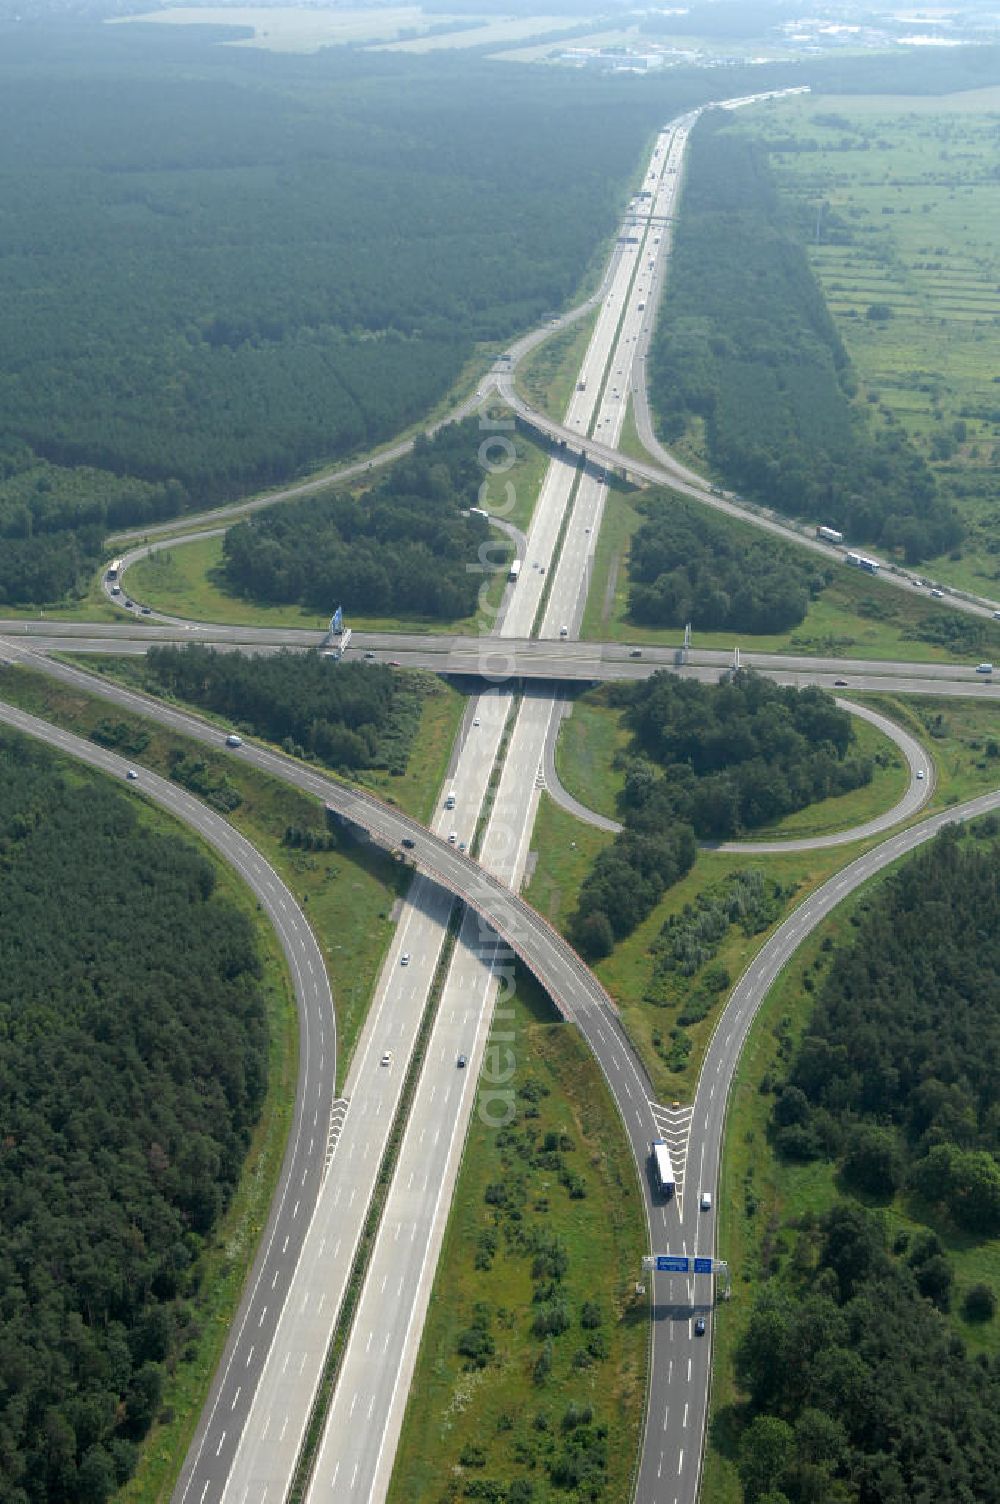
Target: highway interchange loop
{"points": [[312, 1233]]}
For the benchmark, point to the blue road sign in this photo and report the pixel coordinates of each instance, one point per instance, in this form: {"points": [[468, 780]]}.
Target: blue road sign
{"points": [[703, 1266], [672, 1263], [337, 623]]}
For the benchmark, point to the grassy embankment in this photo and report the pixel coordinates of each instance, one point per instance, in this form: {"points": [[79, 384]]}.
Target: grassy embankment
{"points": [[505, 1420], [854, 617], [547, 377], [960, 747], [908, 257], [762, 1195], [186, 580]]}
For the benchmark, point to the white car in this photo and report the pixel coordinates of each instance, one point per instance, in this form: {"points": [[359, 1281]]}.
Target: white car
{"points": [[386, 1058], [920, 772], [131, 774], [475, 720], [232, 740], [706, 1201], [404, 959], [453, 837]]}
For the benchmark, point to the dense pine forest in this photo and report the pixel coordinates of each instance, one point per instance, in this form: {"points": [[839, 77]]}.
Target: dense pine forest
{"points": [[132, 1069], [401, 549], [255, 263], [748, 346], [347, 715], [708, 761], [859, 1389], [686, 565]]}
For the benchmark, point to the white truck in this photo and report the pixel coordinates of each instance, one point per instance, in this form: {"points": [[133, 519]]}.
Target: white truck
{"points": [[663, 1170]]}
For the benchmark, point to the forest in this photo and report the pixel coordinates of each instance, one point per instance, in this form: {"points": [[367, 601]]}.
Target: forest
{"points": [[710, 762], [132, 1070], [898, 1073], [346, 715], [400, 549], [750, 348], [686, 565], [254, 264], [858, 1387]]}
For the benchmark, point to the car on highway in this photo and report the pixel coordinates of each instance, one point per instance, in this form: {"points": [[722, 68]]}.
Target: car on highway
{"points": [[475, 720], [840, 683], [148, 611], [937, 595], [564, 631], [129, 605], [131, 774], [996, 616], [635, 652], [461, 845], [460, 1062], [386, 1057], [706, 1201], [699, 1327], [453, 837], [409, 842], [920, 772], [984, 668], [404, 959], [232, 740], [369, 654]]}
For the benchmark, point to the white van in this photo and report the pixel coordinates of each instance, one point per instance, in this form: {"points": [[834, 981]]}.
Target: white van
{"points": [[985, 668], [706, 1201]]}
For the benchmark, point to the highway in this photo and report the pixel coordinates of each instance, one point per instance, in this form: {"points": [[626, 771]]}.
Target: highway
{"points": [[251, 1432], [356, 1462], [500, 659]]}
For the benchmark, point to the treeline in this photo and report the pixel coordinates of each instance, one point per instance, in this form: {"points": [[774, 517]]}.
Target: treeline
{"points": [[132, 1070], [750, 348], [401, 548], [707, 761], [858, 1389], [347, 715], [898, 1073], [686, 565], [53, 521], [256, 264]]}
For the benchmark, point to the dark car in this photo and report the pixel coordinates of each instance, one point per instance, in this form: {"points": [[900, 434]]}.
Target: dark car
{"points": [[699, 1326], [409, 842], [147, 610], [461, 1062], [840, 683]]}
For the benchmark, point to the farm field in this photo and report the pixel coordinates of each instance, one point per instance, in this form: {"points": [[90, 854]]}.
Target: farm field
{"points": [[898, 201]]}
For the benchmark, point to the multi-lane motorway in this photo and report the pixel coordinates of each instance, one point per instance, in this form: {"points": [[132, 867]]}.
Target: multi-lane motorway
{"points": [[250, 1435]]}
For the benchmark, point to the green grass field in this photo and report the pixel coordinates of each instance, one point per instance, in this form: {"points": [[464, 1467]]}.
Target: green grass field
{"points": [[854, 617], [505, 1420], [908, 224]]}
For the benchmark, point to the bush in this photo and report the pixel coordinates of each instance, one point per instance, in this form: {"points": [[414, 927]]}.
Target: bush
{"points": [[980, 1303]]}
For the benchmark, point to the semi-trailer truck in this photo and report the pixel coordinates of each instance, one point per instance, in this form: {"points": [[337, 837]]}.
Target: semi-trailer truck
{"points": [[663, 1170], [829, 535]]}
